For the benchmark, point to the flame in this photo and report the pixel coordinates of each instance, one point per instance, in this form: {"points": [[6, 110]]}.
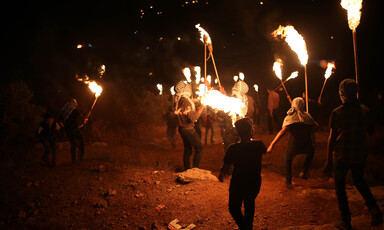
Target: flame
{"points": [[277, 68], [209, 79], [256, 87], [204, 36], [187, 74], [79, 46], [231, 105], [241, 76], [293, 75], [353, 7], [173, 90], [294, 40], [235, 78], [328, 72], [94, 87], [216, 81], [160, 88], [198, 74]]}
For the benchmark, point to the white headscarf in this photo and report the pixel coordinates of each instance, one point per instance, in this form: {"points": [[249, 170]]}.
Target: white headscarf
{"points": [[183, 90], [240, 90], [67, 109], [296, 113]]}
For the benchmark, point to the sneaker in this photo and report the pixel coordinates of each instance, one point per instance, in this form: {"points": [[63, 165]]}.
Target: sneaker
{"points": [[343, 226], [377, 217], [303, 175]]}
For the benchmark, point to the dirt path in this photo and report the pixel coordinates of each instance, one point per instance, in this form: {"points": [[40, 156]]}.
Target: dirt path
{"points": [[120, 187]]}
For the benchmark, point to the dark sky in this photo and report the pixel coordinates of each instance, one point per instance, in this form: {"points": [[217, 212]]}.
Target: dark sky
{"points": [[39, 40]]}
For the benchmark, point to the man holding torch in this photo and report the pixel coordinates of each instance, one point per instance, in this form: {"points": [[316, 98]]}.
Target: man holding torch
{"points": [[187, 116], [72, 120]]}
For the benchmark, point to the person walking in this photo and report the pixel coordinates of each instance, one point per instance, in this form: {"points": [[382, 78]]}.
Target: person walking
{"points": [[300, 125], [72, 120], [245, 158], [347, 147]]}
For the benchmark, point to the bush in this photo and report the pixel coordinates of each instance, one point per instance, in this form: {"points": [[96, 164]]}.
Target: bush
{"points": [[19, 116]]}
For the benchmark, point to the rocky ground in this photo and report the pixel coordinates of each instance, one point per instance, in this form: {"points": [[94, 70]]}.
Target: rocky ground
{"points": [[135, 186]]}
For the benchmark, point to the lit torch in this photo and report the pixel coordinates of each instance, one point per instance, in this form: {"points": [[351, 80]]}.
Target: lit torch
{"points": [[293, 75], [277, 68], [353, 7], [327, 74], [97, 89], [187, 74], [231, 105], [160, 88], [206, 39], [172, 89], [198, 74], [241, 76], [297, 44]]}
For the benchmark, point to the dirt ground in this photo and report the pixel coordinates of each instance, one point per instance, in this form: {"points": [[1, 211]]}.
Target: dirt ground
{"points": [[134, 186]]}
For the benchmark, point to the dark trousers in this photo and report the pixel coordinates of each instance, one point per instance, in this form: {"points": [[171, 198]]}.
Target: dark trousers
{"points": [[236, 199], [340, 172], [171, 135], [276, 118], [207, 128], [49, 148], [77, 145], [290, 155], [191, 140]]}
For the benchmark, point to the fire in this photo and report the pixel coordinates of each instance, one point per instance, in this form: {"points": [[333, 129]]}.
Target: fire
{"points": [[328, 72], [294, 40], [187, 74], [241, 76], [256, 87], [293, 75], [353, 7], [231, 105], [160, 88], [204, 36], [94, 87], [173, 90], [209, 79], [235, 78], [277, 68], [198, 74]]}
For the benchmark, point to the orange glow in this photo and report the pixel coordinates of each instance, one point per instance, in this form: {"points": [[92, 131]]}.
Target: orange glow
{"points": [[160, 88], [353, 8], [328, 72], [94, 87], [187, 74], [293, 75], [277, 68], [294, 40]]}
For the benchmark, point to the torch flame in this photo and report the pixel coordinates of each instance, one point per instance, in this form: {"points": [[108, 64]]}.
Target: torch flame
{"points": [[94, 87], [160, 87], [328, 72], [293, 75], [294, 40], [209, 79], [198, 74], [173, 90], [277, 68], [235, 78], [241, 76], [204, 36], [187, 74], [231, 105], [353, 7], [256, 87]]}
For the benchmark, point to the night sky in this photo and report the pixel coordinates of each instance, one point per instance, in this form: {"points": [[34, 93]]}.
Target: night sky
{"points": [[154, 40]]}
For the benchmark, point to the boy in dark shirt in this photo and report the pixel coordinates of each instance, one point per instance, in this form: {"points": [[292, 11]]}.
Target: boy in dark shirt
{"points": [[245, 156]]}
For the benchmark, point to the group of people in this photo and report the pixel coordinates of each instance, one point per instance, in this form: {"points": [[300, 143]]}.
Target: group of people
{"points": [[346, 150], [70, 120]]}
